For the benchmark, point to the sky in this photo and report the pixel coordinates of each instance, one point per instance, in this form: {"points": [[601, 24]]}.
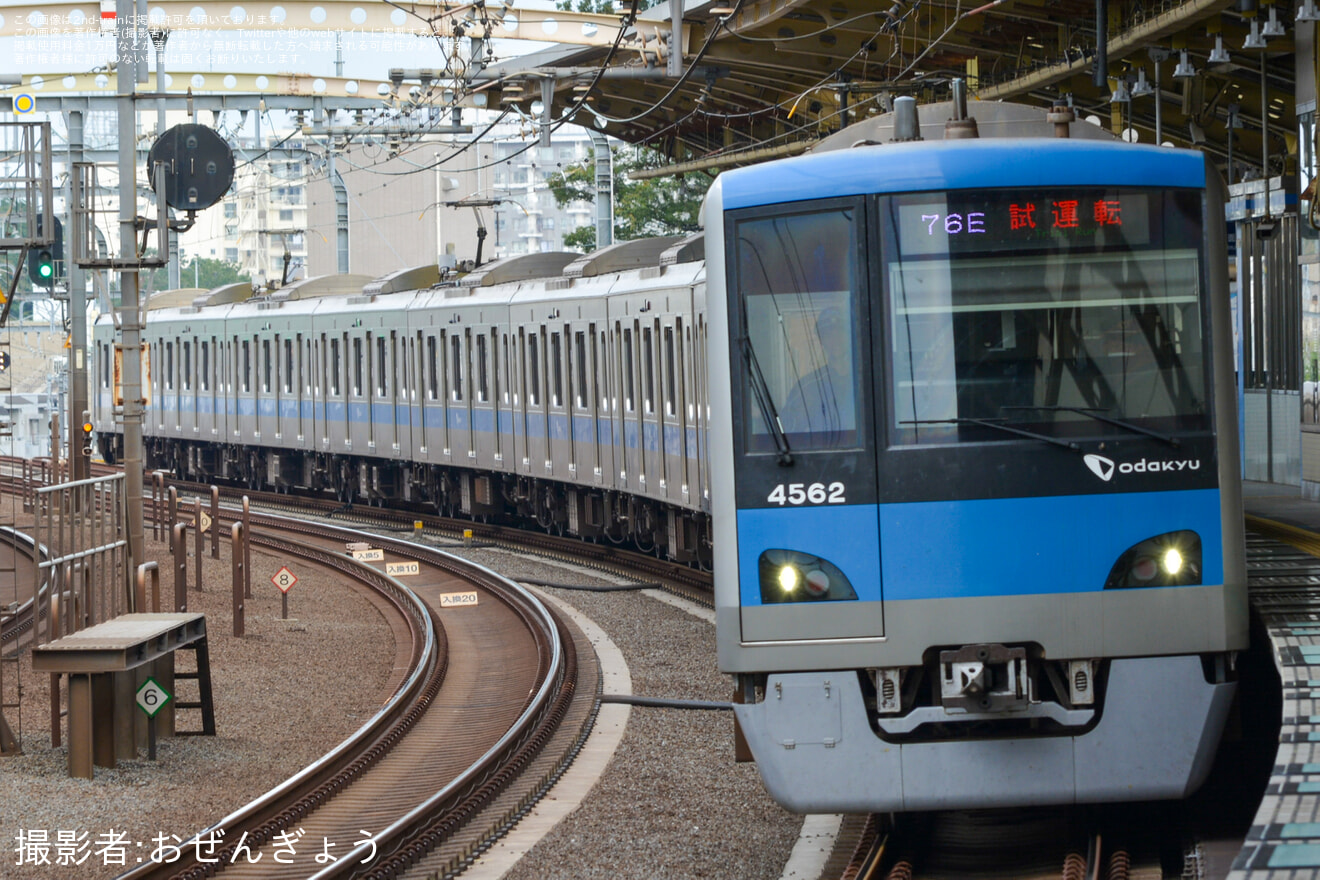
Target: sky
{"points": [[365, 55]]}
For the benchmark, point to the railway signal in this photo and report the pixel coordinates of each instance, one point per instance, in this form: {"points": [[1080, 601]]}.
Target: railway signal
{"points": [[87, 428], [43, 268]]}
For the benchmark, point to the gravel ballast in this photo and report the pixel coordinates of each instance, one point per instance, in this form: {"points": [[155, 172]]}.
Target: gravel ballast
{"points": [[285, 694]]}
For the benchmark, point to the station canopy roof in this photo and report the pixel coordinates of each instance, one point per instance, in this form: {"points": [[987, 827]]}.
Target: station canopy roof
{"points": [[764, 78]]}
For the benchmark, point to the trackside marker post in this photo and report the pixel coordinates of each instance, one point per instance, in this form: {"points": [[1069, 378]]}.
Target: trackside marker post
{"points": [[151, 698], [284, 581]]}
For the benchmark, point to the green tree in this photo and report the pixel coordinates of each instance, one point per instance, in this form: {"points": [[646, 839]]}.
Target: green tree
{"points": [[642, 208], [198, 272]]}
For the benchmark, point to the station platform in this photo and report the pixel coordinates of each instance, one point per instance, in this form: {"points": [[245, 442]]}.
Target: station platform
{"points": [[1284, 582], [1283, 504]]}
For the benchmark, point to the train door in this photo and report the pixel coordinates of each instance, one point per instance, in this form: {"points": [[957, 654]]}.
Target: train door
{"points": [[401, 346], [280, 377], [443, 369], [672, 445], [303, 384], [474, 347], [521, 451], [340, 376], [370, 389], [583, 402], [632, 439], [605, 407], [701, 408], [485, 401], [500, 396], [652, 425], [431, 398], [169, 408], [359, 407], [267, 390], [231, 371], [558, 445], [394, 391], [189, 400], [536, 450], [205, 387], [457, 402], [320, 388]]}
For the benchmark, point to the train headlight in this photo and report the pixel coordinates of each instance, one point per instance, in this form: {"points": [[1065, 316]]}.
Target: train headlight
{"points": [[789, 578], [793, 576], [1169, 560]]}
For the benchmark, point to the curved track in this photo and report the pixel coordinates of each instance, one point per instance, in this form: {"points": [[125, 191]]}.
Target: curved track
{"points": [[439, 754]]}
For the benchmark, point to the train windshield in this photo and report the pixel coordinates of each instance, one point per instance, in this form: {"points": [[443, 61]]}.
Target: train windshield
{"points": [[1064, 312], [797, 278]]}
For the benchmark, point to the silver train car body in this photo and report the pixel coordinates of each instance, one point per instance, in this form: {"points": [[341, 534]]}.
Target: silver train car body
{"points": [[563, 391]]}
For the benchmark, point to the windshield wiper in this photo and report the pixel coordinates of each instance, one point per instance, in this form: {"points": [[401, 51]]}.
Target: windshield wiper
{"points": [[764, 402], [1096, 414], [999, 426]]}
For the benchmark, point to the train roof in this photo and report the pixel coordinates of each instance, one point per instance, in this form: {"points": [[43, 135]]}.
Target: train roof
{"points": [[497, 281], [917, 166]]}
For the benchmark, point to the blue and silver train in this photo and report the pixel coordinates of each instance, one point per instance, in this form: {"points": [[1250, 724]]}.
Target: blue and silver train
{"points": [[974, 466], [951, 419]]}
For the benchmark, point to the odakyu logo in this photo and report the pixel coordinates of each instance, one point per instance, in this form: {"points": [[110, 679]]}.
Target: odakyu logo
{"points": [[1104, 468]]}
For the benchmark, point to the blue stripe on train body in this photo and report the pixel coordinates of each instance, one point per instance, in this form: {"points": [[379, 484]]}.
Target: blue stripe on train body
{"points": [[954, 549], [585, 429]]}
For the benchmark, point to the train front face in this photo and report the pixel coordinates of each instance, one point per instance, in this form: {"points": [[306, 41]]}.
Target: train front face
{"points": [[979, 538]]}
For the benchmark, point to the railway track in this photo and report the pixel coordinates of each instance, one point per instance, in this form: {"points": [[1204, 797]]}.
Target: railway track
{"points": [[17, 562], [447, 764]]}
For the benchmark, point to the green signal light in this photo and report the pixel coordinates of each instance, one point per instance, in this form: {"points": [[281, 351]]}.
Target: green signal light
{"points": [[46, 270]]}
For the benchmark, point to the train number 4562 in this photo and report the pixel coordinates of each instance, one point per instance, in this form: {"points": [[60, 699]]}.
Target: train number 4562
{"points": [[807, 493]]}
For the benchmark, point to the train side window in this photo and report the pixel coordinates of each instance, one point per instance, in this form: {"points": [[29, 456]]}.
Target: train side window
{"points": [[105, 366], [247, 366], [204, 366], [648, 360], [357, 366], [483, 379], [456, 374], [602, 372], [335, 367], [557, 370], [670, 385], [580, 353], [797, 309], [628, 370], [691, 375], [508, 373], [495, 370], [187, 366], [398, 366], [288, 366], [432, 385], [533, 371], [169, 365], [266, 381]]}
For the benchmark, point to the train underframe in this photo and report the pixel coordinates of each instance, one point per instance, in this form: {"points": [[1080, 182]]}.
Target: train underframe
{"points": [[598, 515]]}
